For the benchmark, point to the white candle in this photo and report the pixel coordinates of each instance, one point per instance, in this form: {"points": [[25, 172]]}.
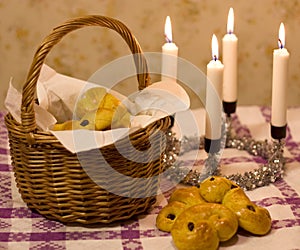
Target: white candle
{"points": [[170, 53], [279, 81], [214, 84], [230, 53]]}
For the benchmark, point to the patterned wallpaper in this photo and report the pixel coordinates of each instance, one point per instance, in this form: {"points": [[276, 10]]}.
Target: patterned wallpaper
{"points": [[25, 23]]}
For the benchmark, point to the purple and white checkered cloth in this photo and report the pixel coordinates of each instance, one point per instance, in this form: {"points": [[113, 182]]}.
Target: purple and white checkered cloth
{"points": [[20, 228]]}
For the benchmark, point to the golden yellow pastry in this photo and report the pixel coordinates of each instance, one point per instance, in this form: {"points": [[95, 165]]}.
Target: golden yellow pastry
{"points": [[99, 119], [109, 101], [219, 222], [121, 118], [103, 119], [190, 196], [168, 214], [98, 110], [211, 214], [255, 219], [234, 196], [223, 219], [68, 125], [89, 101], [192, 234], [214, 188], [252, 218]]}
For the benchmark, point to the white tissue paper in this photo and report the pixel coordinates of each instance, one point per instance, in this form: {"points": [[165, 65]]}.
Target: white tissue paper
{"points": [[12, 102], [57, 95]]}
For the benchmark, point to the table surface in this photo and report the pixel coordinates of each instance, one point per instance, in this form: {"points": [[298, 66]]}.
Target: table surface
{"points": [[20, 228]]}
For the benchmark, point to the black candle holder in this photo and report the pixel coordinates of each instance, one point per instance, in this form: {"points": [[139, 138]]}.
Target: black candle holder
{"points": [[229, 107]]}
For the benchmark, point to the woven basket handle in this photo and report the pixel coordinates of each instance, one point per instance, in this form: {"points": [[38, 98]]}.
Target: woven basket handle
{"points": [[29, 88]]}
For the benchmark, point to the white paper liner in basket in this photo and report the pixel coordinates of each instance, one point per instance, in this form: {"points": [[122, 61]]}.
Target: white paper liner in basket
{"points": [[57, 95]]}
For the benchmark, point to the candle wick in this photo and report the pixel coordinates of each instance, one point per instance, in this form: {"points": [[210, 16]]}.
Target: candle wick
{"points": [[215, 58], [230, 32], [167, 39], [280, 43]]}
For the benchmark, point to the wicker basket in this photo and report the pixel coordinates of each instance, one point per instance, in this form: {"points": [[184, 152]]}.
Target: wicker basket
{"points": [[52, 181]]}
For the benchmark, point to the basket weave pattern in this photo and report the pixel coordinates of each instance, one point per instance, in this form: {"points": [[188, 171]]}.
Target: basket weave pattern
{"points": [[51, 179]]}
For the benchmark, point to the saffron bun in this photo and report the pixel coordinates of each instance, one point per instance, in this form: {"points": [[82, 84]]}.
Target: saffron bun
{"points": [[96, 109], [252, 218], [202, 226], [202, 217], [189, 196], [194, 235], [214, 188], [168, 215]]}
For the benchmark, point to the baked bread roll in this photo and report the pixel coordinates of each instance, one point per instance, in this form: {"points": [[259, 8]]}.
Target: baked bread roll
{"points": [[89, 101], [200, 218], [194, 235], [106, 118], [189, 196], [217, 219], [214, 188], [67, 125], [97, 110], [168, 214], [252, 218]]}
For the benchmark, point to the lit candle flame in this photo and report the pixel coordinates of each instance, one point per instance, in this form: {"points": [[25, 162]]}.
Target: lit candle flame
{"points": [[230, 21], [168, 30], [214, 48], [281, 39]]}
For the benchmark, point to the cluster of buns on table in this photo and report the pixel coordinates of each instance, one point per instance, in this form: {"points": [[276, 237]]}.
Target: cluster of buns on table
{"points": [[202, 217]]}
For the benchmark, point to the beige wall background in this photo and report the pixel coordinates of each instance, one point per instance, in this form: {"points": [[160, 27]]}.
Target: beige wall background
{"points": [[25, 23]]}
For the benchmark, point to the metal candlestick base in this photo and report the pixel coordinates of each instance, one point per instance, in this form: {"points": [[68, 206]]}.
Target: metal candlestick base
{"points": [[265, 174]]}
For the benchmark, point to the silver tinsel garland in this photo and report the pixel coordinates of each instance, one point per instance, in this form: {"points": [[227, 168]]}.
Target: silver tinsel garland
{"points": [[265, 174]]}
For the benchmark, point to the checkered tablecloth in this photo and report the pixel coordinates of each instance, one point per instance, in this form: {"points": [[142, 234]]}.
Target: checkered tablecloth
{"points": [[20, 228]]}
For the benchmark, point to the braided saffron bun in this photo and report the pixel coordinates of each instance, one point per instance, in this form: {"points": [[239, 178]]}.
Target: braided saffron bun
{"points": [[215, 218], [214, 188], [189, 196], [194, 235], [252, 218], [200, 218], [96, 109], [167, 216]]}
